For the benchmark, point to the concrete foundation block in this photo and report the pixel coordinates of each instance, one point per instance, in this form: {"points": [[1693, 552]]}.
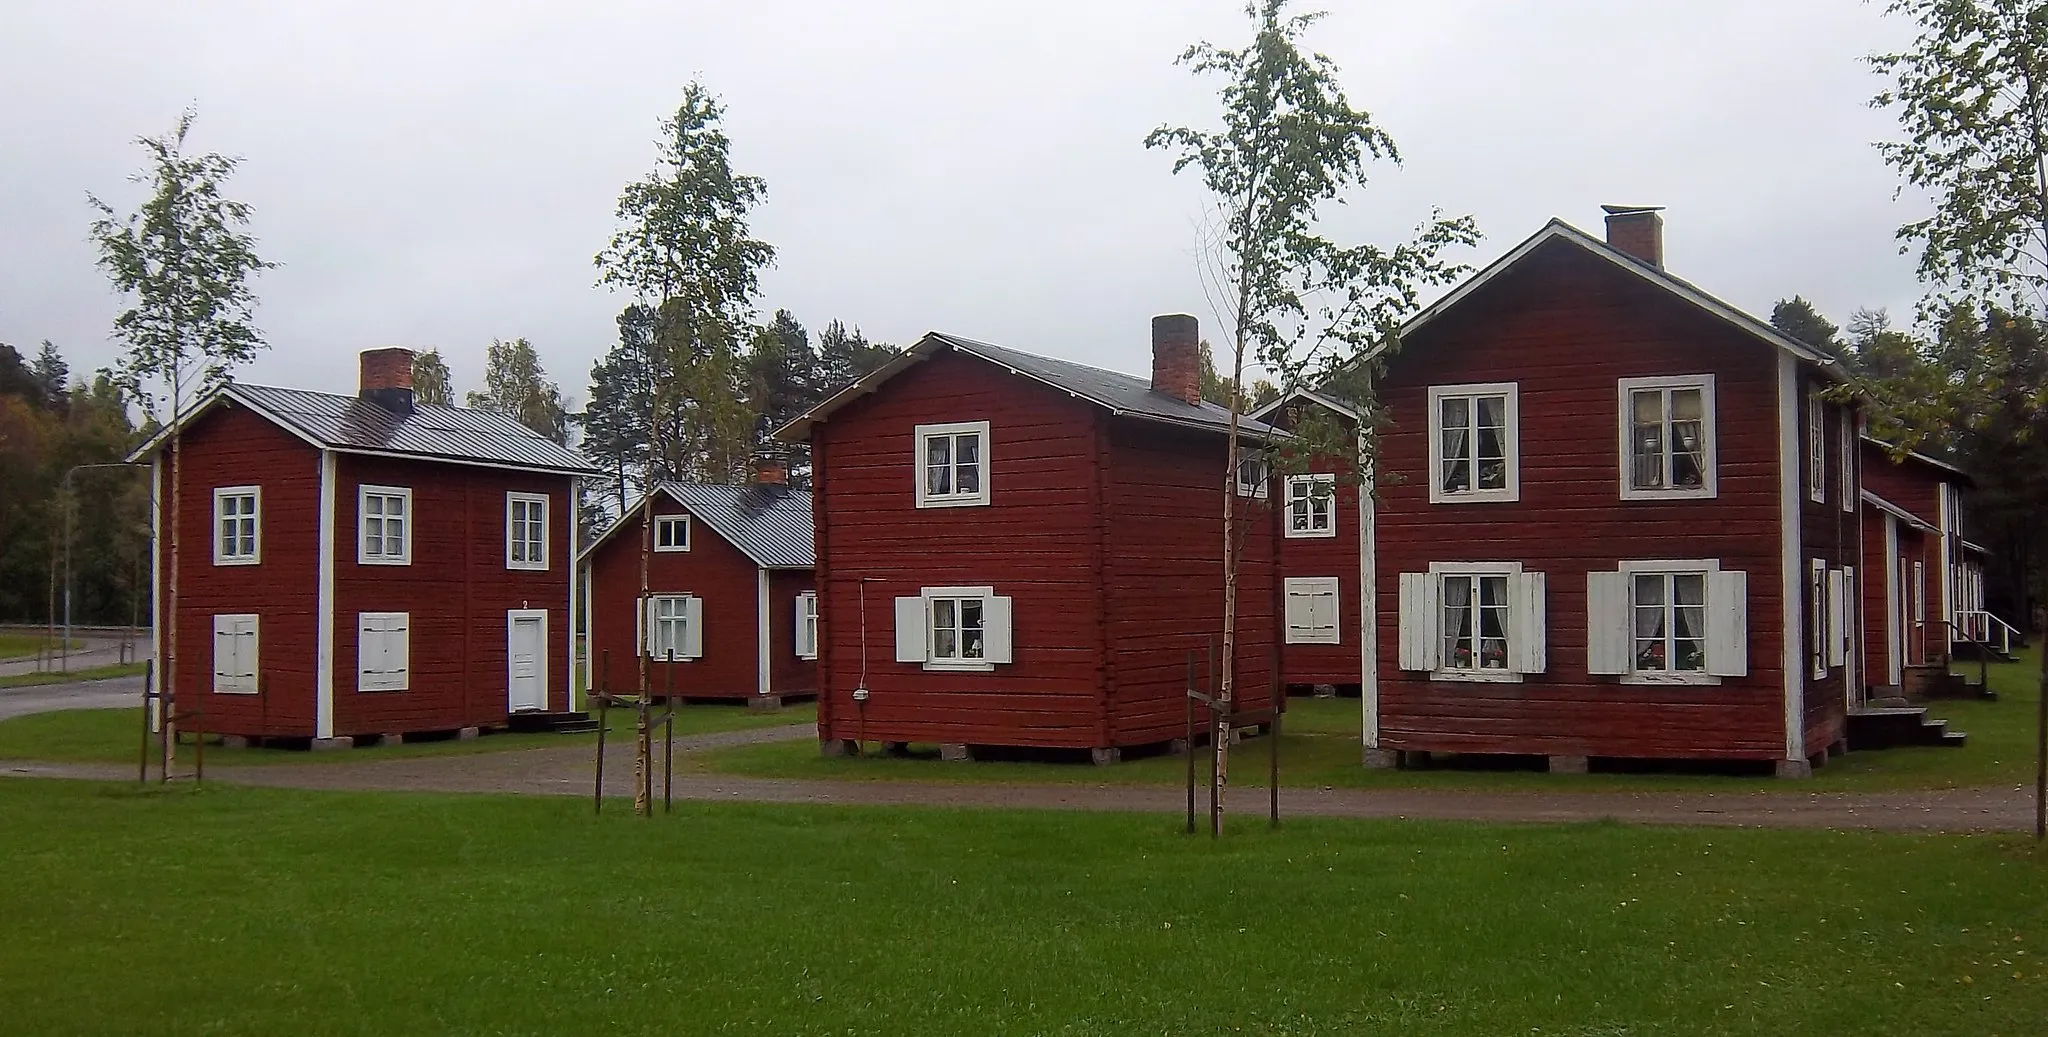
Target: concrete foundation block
{"points": [[1105, 757], [469, 734], [1382, 760], [835, 747], [896, 748], [386, 741], [1794, 769], [322, 745], [1177, 747], [234, 741], [954, 752], [1326, 691], [765, 703], [1570, 765]]}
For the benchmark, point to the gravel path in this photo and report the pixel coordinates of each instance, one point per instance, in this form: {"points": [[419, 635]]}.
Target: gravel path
{"points": [[566, 771], [113, 693]]}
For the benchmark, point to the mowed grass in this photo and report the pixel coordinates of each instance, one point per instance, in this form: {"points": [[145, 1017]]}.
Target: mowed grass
{"points": [[1320, 747], [251, 911], [20, 646], [115, 736], [71, 676]]}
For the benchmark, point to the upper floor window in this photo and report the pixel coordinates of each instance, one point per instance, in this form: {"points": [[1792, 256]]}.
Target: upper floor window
{"points": [[237, 523], [385, 518], [1667, 437], [952, 465], [1254, 474], [1312, 506], [1847, 437], [1474, 443], [1668, 622], [526, 531], [671, 532], [1816, 448], [807, 625], [954, 628]]}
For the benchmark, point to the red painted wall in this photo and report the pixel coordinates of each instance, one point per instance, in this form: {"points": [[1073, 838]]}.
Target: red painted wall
{"points": [[231, 446], [1918, 644], [1304, 665], [727, 581], [1566, 326], [457, 591]]}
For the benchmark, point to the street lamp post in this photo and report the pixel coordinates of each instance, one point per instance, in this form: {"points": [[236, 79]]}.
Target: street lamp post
{"points": [[70, 506]]}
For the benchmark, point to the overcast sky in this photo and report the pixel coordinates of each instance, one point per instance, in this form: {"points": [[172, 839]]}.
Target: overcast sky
{"points": [[436, 174]]}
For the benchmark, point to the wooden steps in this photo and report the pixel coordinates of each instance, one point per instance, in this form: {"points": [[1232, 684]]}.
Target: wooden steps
{"points": [[538, 721], [1891, 727]]}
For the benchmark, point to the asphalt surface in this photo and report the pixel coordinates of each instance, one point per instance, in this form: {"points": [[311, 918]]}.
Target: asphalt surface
{"points": [[48, 698]]}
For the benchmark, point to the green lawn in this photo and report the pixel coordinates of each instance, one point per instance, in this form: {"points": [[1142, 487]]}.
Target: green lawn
{"points": [[90, 673], [251, 911], [1320, 748], [114, 736], [21, 646]]}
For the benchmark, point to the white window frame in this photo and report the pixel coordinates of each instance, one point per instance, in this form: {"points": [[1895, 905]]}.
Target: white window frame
{"points": [[1314, 587], [1321, 497], [681, 522], [1511, 443], [1847, 435], [807, 625], [410, 527], [1625, 390], [250, 683], [931, 596], [1259, 485], [1511, 571], [1816, 448], [955, 499], [253, 556], [1703, 567], [1818, 629], [513, 535], [651, 621], [369, 680]]}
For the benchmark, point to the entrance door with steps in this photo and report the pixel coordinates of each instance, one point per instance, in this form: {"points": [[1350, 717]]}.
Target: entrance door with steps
{"points": [[526, 659]]}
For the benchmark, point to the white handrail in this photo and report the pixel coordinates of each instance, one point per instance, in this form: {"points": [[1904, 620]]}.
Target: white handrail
{"points": [[1978, 626]]}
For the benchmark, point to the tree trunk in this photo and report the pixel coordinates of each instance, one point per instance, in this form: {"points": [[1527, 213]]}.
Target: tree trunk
{"points": [[167, 667]]}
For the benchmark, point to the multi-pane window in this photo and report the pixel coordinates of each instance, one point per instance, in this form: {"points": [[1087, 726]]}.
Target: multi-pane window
{"points": [[807, 625], [1817, 607], [385, 518], [952, 465], [526, 531], [1254, 474], [1473, 443], [237, 537], [959, 630], [668, 627], [1847, 436], [1668, 617], [1312, 506], [671, 532], [1667, 437], [1475, 623], [1816, 448]]}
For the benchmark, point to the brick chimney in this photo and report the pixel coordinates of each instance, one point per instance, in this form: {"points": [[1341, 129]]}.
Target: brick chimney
{"points": [[771, 471], [387, 379], [1637, 230], [1177, 357]]}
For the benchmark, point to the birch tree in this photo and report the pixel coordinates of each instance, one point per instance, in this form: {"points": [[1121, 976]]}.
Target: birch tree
{"points": [[182, 264], [1291, 301], [684, 251]]}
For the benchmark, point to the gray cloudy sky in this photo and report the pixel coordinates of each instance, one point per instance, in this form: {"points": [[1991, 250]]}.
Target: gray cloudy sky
{"points": [[434, 174]]}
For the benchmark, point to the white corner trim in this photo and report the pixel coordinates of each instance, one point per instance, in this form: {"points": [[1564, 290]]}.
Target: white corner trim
{"points": [[156, 583], [1512, 443], [572, 532], [1709, 433], [763, 629], [1792, 587], [323, 615]]}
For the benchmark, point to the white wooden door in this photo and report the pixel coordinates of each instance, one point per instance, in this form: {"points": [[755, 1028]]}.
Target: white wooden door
{"points": [[526, 661]]}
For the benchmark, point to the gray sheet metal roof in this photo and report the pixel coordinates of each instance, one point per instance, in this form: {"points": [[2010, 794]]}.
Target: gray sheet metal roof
{"points": [[770, 524], [353, 424], [1121, 394]]}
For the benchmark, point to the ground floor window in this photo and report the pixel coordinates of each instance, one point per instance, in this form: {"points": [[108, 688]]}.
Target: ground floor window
{"points": [[1667, 622], [234, 654], [383, 651], [1312, 610], [954, 628], [807, 625], [1473, 621], [672, 627]]}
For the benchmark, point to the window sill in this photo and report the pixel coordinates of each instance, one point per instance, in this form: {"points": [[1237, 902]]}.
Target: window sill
{"points": [[673, 658], [1333, 639], [1475, 497], [527, 567], [801, 657], [953, 502], [363, 560], [381, 691], [1680, 679], [1690, 493], [1477, 676], [658, 549], [238, 561], [244, 692], [1312, 534], [959, 667]]}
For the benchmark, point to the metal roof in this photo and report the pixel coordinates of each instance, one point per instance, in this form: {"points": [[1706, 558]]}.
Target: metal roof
{"points": [[771, 523], [1961, 476], [1121, 394], [351, 424]]}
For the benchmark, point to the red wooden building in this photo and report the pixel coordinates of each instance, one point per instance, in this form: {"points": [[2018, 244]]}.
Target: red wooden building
{"points": [[1615, 518], [1020, 551], [1924, 597], [731, 611], [365, 565]]}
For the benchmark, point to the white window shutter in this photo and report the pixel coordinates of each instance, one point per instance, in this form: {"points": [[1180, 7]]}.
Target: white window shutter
{"points": [[643, 618], [997, 637], [398, 650], [1728, 624], [911, 634], [1838, 617], [1526, 625], [1323, 612], [1419, 647], [693, 628], [1297, 615], [797, 629], [1607, 623], [223, 652]]}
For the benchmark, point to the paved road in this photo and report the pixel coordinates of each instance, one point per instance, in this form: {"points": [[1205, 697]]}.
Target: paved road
{"points": [[48, 698], [92, 651], [566, 771]]}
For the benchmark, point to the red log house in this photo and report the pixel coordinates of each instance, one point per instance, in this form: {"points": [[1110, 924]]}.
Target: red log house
{"points": [[1925, 596], [365, 565], [731, 610], [1020, 551], [1614, 517]]}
